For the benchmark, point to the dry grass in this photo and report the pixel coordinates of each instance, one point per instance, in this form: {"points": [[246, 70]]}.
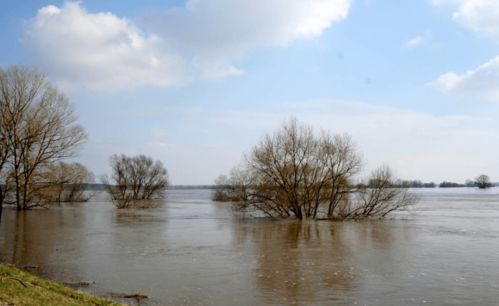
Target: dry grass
{"points": [[18, 287]]}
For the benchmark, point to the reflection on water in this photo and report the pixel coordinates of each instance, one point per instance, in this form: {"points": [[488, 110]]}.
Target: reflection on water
{"points": [[298, 262], [193, 251]]}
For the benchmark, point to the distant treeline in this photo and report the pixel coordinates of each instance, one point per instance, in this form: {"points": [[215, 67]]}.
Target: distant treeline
{"points": [[444, 184], [178, 187], [470, 184], [417, 184], [407, 184]]}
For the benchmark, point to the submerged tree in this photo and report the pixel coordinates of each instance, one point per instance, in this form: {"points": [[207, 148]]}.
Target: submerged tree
{"points": [[38, 128], [483, 181], [136, 180], [234, 187], [295, 173], [5, 173], [63, 182], [380, 196]]}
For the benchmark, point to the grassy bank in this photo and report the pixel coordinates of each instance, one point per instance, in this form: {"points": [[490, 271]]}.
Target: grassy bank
{"points": [[18, 287]]}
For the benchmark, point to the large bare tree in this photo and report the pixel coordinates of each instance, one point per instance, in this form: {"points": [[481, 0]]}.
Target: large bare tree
{"points": [[136, 180], [294, 173], [39, 125]]}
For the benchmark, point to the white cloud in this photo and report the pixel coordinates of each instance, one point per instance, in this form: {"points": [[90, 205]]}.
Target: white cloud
{"points": [[415, 42], [482, 81], [481, 16], [216, 32], [102, 51], [98, 51]]}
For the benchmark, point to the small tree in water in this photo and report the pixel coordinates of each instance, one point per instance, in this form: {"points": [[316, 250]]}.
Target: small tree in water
{"points": [[483, 181], [294, 173], [63, 182], [136, 180], [380, 196]]}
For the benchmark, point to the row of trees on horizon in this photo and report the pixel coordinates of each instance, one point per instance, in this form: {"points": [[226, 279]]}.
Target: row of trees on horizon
{"points": [[482, 182]]}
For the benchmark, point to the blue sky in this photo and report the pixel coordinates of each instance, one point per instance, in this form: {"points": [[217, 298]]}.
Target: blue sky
{"points": [[196, 83]]}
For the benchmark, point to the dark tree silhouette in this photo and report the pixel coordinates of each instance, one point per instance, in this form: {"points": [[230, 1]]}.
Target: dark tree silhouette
{"points": [[483, 181]]}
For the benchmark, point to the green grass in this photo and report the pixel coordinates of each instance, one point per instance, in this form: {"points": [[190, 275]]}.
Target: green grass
{"points": [[18, 287]]}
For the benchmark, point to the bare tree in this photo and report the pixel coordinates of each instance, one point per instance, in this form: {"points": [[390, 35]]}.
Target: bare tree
{"points": [[136, 180], [483, 181], [5, 173], [284, 166], [39, 125], [223, 189], [235, 187], [295, 173], [341, 162], [380, 196], [63, 182]]}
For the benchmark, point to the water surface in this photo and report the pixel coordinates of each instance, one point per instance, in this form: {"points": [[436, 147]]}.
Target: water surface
{"points": [[192, 251]]}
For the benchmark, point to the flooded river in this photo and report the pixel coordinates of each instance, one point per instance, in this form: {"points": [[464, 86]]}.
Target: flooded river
{"points": [[192, 251]]}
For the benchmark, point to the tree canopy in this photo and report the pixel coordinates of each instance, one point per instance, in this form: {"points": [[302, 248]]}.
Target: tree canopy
{"points": [[293, 172]]}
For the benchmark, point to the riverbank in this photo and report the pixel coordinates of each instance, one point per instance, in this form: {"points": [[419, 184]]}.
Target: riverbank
{"points": [[18, 287]]}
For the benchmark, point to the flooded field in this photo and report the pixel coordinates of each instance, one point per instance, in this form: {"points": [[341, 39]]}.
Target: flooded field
{"points": [[192, 251]]}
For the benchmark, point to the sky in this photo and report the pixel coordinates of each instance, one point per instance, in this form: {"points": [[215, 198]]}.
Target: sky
{"points": [[197, 83]]}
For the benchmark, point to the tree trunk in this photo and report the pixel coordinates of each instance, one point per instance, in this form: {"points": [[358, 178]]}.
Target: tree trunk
{"points": [[18, 193], [298, 213], [1, 202], [25, 195]]}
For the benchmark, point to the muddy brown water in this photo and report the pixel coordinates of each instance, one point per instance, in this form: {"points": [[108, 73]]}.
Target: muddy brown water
{"points": [[192, 251]]}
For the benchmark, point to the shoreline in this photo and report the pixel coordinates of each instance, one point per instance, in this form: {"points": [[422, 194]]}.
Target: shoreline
{"points": [[20, 287]]}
